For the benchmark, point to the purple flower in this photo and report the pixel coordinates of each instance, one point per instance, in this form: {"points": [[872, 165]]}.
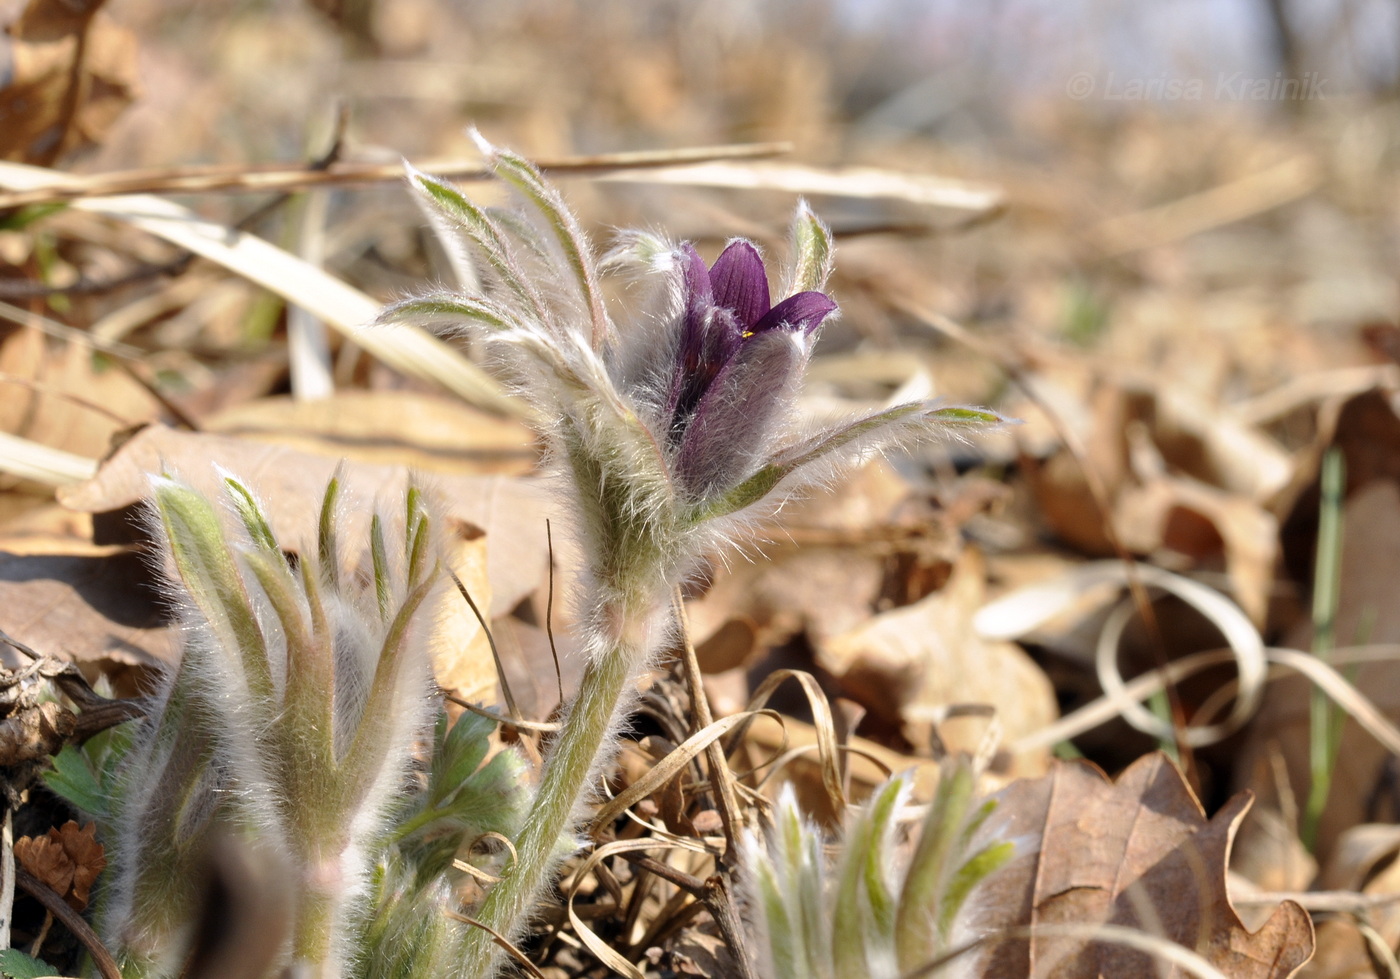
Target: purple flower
{"points": [[738, 360]]}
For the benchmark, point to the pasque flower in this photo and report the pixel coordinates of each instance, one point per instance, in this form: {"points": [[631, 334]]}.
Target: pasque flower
{"points": [[669, 434], [738, 358]]}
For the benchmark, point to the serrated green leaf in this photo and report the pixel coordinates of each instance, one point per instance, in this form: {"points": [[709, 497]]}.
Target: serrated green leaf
{"points": [[16, 965], [73, 780]]}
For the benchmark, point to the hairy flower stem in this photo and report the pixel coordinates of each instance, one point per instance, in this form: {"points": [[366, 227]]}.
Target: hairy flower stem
{"points": [[562, 782], [313, 934]]}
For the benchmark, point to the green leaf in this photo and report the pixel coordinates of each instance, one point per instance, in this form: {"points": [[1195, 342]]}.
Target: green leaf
{"points": [[23, 217], [441, 307], [463, 749], [959, 417], [251, 514], [482, 228], [85, 776], [72, 780], [968, 876], [379, 557], [327, 551], [521, 174], [210, 573], [16, 965]]}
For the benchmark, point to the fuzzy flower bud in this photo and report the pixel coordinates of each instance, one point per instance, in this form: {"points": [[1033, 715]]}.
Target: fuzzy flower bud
{"points": [[882, 907], [291, 719]]}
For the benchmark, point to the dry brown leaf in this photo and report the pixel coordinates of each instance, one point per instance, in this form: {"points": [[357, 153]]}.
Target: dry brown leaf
{"points": [[45, 858], [89, 860], [44, 414], [1183, 483], [908, 663], [290, 482], [86, 609], [1269, 854], [424, 431], [67, 859], [462, 655], [823, 574], [1138, 853], [530, 665], [822, 591], [1362, 862], [38, 119]]}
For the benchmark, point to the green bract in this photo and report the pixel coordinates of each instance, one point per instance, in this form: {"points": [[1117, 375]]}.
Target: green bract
{"points": [[878, 910]]}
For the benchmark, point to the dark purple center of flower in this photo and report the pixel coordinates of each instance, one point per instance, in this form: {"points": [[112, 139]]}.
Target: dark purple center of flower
{"points": [[726, 305]]}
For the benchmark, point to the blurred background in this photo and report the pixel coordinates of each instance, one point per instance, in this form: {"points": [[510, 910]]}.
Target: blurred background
{"points": [[1163, 236]]}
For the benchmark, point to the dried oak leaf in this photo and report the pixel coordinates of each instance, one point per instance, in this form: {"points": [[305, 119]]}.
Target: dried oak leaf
{"points": [[45, 858], [89, 859], [67, 859], [1139, 854]]}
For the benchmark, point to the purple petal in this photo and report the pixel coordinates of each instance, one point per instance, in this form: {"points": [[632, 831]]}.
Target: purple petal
{"points": [[732, 427], [710, 338], [740, 283], [804, 311], [697, 277]]}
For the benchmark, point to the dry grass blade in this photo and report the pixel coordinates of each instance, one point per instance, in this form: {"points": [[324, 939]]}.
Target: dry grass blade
{"points": [[668, 768], [42, 464], [345, 308], [1343, 694], [518, 956], [1378, 947], [721, 778], [824, 724], [605, 953], [1296, 392], [857, 182], [1106, 708], [1234, 201], [1021, 611], [281, 178]]}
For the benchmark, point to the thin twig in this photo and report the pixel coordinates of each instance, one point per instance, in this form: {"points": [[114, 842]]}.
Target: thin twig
{"points": [[727, 801], [97, 712], [282, 178], [71, 920], [490, 641]]}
